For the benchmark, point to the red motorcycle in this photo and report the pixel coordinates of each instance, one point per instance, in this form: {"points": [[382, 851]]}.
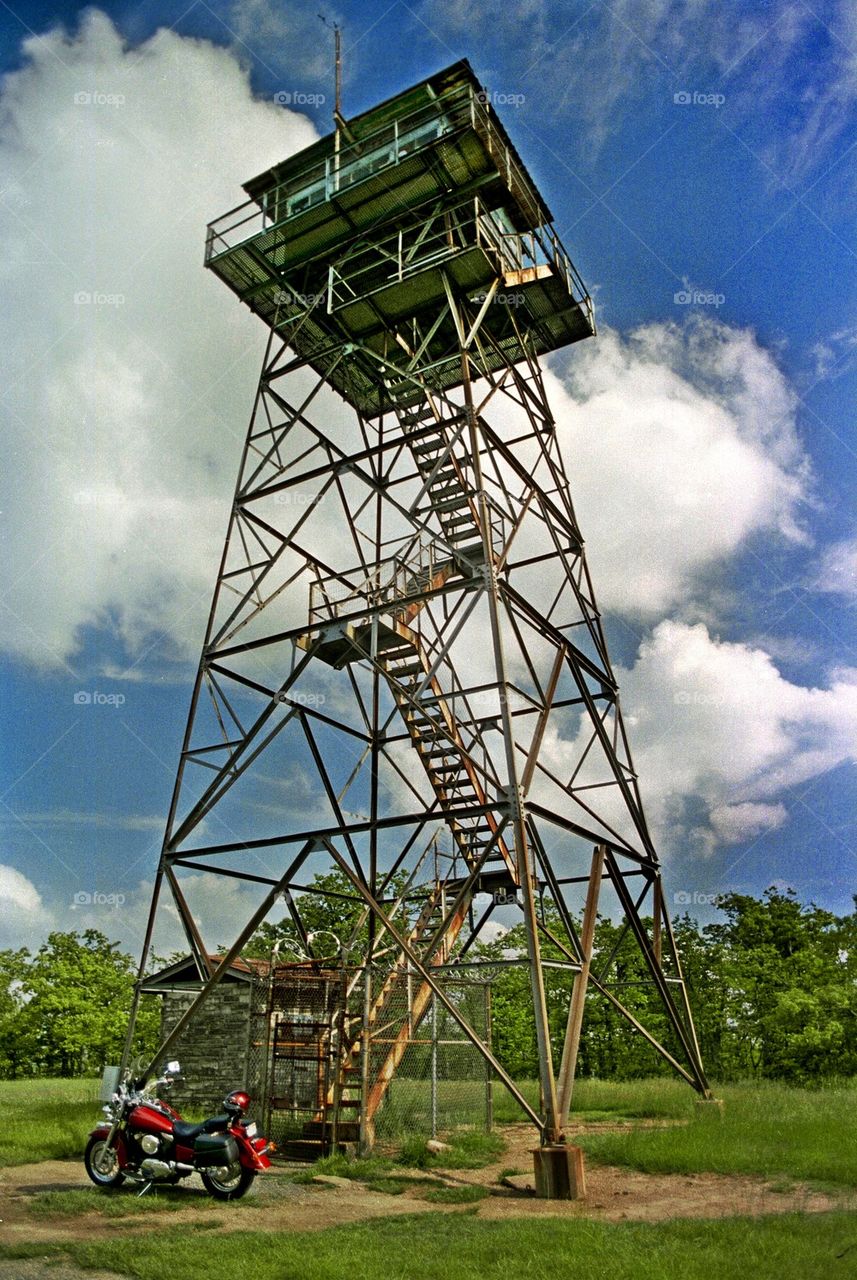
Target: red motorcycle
{"points": [[145, 1140]]}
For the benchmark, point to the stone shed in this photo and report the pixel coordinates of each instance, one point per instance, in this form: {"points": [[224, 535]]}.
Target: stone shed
{"points": [[214, 1050]]}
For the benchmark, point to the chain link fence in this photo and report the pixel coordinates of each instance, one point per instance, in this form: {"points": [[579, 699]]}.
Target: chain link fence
{"points": [[305, 1056]]}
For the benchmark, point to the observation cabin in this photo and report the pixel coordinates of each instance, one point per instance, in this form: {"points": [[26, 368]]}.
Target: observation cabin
{"points": [[352, 247]]}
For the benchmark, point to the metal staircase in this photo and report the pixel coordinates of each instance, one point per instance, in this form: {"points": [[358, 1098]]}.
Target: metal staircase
{"points": [[458, 779]]}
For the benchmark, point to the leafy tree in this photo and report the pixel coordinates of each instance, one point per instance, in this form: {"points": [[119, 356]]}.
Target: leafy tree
{"points": [[77, 994], [789, 973], [14, 1047], [773, 991]]}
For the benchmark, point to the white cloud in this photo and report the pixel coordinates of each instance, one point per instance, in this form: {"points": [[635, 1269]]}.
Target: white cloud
{"points": [[733, 823], [127, 410], [24, 916], [838, 571], [290, 40], [716, 722], [220, 905], [74, 818], [130, 415], [680, 445], [722, 742]]}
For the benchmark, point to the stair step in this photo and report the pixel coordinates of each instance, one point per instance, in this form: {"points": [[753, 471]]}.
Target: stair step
{"points": [[322, 1130], [443, 487], [429, 444], [397, 655], [411, 417], [409, 669], [453, 502]]}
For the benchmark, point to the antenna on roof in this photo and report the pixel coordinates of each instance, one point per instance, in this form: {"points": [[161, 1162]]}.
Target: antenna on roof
{"points": [[337, 44]]}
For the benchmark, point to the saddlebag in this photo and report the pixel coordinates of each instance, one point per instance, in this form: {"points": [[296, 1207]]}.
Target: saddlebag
{"points": [[214, 1149]]}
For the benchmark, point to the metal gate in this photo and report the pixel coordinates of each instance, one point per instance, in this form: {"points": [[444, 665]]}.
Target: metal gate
{"points": [[296, 1027]]}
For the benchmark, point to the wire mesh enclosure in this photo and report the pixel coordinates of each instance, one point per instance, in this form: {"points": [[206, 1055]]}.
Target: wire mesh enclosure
{"points": [[294, 1042], [305, 1057], [442, 1081]]}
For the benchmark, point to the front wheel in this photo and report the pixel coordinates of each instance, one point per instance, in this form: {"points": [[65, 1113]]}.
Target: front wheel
{"points": [[102, 1163], [232, 1185]]}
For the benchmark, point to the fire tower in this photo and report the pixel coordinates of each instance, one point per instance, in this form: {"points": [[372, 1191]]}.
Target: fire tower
{"points": [[404, 676]]}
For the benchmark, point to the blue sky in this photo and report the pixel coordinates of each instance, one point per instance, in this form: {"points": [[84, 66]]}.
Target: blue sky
{"points": [[698, 161]]}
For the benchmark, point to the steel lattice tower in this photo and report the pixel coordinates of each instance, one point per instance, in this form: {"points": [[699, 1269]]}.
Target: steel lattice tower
{"points": [[404, 649]]}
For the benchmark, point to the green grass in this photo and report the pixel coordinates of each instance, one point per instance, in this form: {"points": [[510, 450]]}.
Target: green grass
{"points": [[370, 1170], [389, 1186], [767, 1129], [453, 1195], [46, 1119], [468, 1149], [462, 1102], [115, 1204], [787, 1247]]}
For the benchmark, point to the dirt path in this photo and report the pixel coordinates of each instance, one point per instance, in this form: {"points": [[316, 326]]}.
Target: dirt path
{"points": [[613, 1194]]}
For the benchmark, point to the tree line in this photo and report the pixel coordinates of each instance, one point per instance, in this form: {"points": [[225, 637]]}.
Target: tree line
{"points": [[773, 986]]}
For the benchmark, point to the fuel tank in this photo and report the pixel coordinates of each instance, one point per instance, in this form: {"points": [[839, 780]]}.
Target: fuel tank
{"points": [[146, 1119]]}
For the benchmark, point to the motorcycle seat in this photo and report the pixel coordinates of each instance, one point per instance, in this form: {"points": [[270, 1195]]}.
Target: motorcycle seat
{"points": [[187, 1132]]}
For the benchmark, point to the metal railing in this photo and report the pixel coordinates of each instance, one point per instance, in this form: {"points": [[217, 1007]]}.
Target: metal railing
{"points": [[394, 582], [383, 149], [406, 252], [400, 577]]}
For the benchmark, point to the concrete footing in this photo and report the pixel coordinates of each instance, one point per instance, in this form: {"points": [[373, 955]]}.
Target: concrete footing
{"points": [[559, 1173], [712, 1105]]}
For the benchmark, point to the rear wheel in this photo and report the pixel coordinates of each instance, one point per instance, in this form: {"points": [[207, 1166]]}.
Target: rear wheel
{"points": [[230, 1184], [102, 1163]]}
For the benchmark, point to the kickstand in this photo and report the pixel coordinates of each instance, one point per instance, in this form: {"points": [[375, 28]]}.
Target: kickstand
{"points": [[146, 1187]]}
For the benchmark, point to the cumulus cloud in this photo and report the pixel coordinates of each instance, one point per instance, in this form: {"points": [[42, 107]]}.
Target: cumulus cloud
{"points": [[681, 444], [130, 368], [25, 915], [722, 742], [716, 722], [131, 410], [131, 380]]}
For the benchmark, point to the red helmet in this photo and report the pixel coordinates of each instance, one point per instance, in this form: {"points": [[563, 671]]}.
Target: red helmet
{"points": [[237, 1100]]}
